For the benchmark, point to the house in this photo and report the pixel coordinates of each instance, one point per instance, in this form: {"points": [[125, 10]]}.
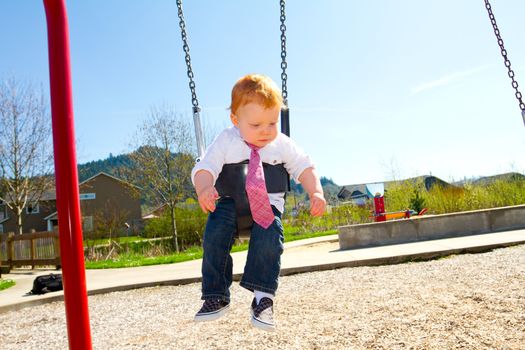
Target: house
{"points": [[104, 200], [32, 215], [353, 193]]}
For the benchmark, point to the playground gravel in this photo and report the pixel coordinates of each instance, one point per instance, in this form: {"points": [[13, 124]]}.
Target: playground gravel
{"points": [[472, 301]]}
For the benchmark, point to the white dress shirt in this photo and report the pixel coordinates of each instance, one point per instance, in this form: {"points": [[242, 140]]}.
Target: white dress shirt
{"points": [[229, 147]]}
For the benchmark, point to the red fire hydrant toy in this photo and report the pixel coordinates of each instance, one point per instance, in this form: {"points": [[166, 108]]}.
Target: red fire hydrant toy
{"points": [[379, 208]]}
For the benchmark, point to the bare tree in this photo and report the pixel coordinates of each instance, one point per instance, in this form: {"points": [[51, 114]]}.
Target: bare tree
{"points": [[163, 160], [26, 156]]}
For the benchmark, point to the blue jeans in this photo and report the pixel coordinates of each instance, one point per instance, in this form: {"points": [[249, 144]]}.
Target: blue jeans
{"points": [[263, 263]]}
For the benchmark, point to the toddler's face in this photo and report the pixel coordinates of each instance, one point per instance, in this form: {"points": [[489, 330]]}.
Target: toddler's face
{"points": [[257, 125]]}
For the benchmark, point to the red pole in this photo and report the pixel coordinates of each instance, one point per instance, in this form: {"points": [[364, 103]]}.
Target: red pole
{"points": [[68, 204]]}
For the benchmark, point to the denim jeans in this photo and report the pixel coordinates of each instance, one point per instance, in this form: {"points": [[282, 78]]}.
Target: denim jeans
{"points": [[263, 263]]}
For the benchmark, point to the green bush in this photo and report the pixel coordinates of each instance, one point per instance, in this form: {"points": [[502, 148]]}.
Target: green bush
{"points": [[417, 202], [190, 222], [441, 200]]}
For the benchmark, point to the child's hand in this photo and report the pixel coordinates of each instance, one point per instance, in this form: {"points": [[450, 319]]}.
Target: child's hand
{"points": [[317, 204], [207, 199]]}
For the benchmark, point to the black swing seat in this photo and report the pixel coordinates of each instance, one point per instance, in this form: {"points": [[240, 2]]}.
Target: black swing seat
{"points": [[232, 181]]}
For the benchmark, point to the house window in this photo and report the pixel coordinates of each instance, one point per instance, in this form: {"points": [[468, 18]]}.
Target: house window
{"points": [[1, 228], [87, 223], [3, 212], [86, 196], [32, 209]]}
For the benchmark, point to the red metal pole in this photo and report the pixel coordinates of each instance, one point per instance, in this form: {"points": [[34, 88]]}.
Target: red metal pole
{"points": [[68, 204]]}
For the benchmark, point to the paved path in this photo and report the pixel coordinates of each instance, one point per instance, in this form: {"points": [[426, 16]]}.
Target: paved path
{"points": [[308, 255]]}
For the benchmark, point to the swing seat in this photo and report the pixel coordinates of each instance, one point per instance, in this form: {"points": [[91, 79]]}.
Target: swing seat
{"points": [[232, 182]]}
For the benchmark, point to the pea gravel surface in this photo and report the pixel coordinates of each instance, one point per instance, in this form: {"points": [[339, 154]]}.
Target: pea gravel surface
{"points": [[472, 301]]}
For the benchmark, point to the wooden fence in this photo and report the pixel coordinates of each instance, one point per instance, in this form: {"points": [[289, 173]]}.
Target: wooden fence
{"points": [[30, 249]]}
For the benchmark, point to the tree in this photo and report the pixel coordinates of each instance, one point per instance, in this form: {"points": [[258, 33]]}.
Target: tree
{"points": [[26, 157], [417, 202], [163, 160]]}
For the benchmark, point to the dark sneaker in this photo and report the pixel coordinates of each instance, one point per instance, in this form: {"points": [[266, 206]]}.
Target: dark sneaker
{"points": [[212, 309], [262, 314]]}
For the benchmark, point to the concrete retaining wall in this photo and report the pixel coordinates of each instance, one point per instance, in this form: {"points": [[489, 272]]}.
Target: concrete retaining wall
{"points": [[432, 227]]}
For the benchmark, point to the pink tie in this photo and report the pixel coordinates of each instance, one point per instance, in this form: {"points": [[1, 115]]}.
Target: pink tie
{"points": [[262, 212]]}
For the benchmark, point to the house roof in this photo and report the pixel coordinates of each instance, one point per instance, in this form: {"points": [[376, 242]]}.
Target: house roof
{"points": [[110, 176], [155, 213], [49, 196], [352, 191], [149, 216], [52, 216], [349, 190]]}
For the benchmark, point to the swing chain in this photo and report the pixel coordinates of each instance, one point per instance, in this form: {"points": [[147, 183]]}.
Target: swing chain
{"points": [[505, 58], [284, 64], [186, 48]]}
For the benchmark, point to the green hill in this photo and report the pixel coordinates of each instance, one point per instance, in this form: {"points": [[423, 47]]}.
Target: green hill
{"points": [[111, 165]]}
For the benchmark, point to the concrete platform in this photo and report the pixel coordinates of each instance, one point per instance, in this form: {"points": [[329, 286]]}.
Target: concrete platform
{"points": [[316, 254], [423, 228]]}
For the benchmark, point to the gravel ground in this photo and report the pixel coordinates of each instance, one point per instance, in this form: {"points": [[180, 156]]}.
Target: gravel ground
{"points": [[461, 302]]}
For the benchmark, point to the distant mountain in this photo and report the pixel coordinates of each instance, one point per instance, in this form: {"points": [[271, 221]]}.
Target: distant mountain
{"points": [[500, 177], [485, 180], [330, 188], [110, 165], [427, 180]]}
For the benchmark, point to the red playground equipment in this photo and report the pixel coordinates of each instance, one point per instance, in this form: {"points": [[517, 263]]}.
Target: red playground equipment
{"points": [[379, 208], [376, 190]]}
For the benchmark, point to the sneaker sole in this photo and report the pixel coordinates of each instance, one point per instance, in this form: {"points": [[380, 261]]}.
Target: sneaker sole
{"points": [[261, 325], [211, 316]]}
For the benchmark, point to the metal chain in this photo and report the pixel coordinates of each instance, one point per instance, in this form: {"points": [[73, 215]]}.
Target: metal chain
{"points": [[185, 46], [284, 64], [505, 58]]}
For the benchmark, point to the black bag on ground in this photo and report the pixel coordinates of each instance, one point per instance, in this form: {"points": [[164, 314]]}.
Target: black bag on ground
{"points": [[47, 283]]}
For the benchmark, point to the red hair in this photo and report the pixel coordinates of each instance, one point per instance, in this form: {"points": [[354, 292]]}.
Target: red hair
{"points": [[255, 88]]}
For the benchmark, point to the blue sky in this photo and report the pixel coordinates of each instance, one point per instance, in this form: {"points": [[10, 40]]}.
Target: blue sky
{"points": [[377, 89]]}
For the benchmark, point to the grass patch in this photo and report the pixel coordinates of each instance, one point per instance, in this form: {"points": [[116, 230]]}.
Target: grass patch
{"points": [[120, 240], [134, 260], [293, 234], [4, 284]]}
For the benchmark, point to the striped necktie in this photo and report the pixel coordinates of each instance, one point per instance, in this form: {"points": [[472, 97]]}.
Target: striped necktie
{"points": [[262, 212]]}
